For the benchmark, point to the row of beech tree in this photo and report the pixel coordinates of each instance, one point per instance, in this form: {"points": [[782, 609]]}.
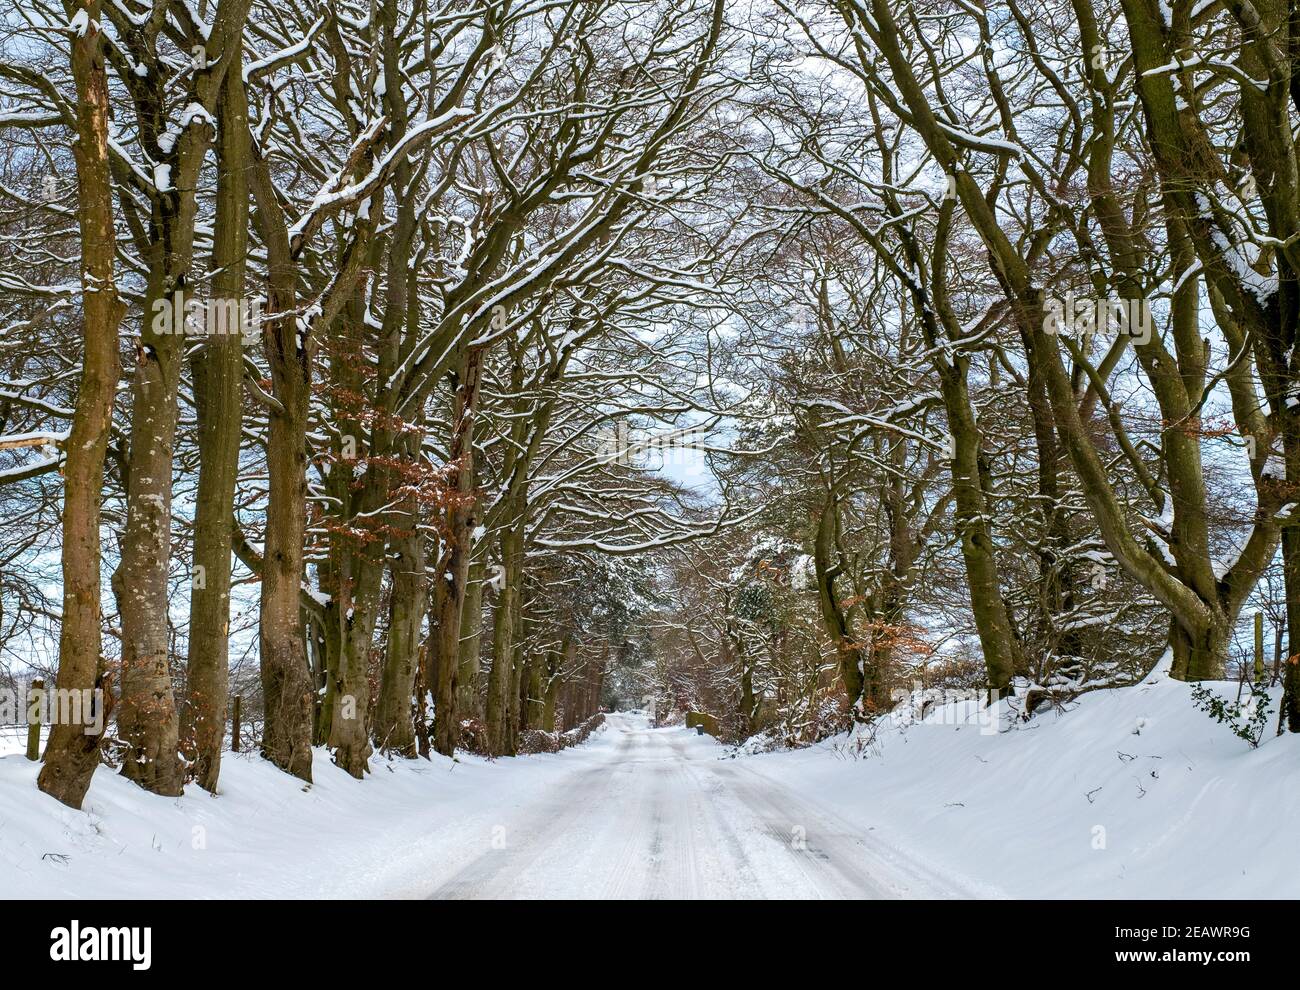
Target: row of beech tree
{"points": [[984, 315], [1018, 319], [339, 299]]}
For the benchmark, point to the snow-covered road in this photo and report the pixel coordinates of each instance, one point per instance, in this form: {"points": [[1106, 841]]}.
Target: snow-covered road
{"points": [[1130, 794], [660, 813]]}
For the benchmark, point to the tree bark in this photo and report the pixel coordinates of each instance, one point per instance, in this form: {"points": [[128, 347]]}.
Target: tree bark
{"points": [[287, 691], [518, 676], [148, 718], [394, 730], [848, 652], [71, 755], [468, 703], [501, 677], [1291, 668], [992, 618], [218, 374], [286, 683], [452, 570]]}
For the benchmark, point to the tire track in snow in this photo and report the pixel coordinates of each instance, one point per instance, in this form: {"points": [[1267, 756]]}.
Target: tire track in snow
{"points": [[847, 856], [542, 827], [660, 815]]}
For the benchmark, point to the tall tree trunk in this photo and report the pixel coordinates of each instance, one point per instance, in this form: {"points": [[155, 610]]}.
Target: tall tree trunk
{"points": [[331, 646], [972, 512], [553, 680], [71, 754], [423, 744], [394, 730], [348, 737], [359, 554], [534, 693], [148, 718], [497, 705], [570, 678], [359, 546], [895, 581], [1054, 576], [748, 703], [291, 343], [452, 569], [518, 677], [1291, 673], [287, 692], [501, 677], [848, 652], [218, 373], [598, 687], [286, 682], [400, 330], [992, 617], [471, 642], [1198, 655]]}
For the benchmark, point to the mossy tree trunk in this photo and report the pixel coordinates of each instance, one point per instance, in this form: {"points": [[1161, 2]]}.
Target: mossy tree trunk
{"points": [[71, 755], [218, 374]]}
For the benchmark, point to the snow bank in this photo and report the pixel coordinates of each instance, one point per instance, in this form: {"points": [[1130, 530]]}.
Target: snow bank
{"points": [[1130, 793], [267, 834]]}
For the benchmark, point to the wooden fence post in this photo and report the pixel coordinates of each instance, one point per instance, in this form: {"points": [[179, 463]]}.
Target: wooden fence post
{"points": [[234, 738], [34, 703], [1259, 647]]}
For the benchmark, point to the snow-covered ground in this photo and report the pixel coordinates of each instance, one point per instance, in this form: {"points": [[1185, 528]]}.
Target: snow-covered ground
{"points": [[1131, 793]]}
